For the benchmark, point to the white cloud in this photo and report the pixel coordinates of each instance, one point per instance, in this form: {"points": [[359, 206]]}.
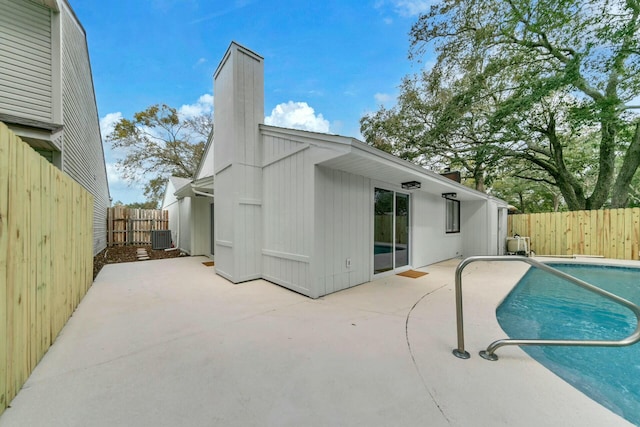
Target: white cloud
{"points": [[382, 98], [108, 122], [297, 115], [412, 7], [203, 106], [113, 176]]}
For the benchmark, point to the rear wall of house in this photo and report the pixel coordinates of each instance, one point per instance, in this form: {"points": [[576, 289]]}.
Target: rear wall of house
{"points": [[430, 242], [287, 214], [483, 234], [184, 224], [171, 204], [201, 226], [343, 230]]}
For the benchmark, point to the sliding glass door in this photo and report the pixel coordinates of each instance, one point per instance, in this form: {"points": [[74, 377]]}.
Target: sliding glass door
{"points": [[390, 230], [402, 230]]}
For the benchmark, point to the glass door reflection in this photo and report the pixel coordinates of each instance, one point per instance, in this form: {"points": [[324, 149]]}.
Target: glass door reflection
{"points": [[383, 231], [391, 230], [402, 230]]}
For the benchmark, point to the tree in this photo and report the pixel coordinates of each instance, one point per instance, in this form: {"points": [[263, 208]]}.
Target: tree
{"points": [[429, 126], [157, 143], [527, 196], [138, 205], [536, 78]]}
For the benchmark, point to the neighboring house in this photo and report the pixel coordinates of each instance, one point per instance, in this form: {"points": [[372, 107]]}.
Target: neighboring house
{"points": [[47, 96], [190, 206], [317, 213]]}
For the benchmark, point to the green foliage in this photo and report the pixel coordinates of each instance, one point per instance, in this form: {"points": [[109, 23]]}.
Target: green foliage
{"points": [[138, 205], [157, 143], [528, 196], [533, 89]]}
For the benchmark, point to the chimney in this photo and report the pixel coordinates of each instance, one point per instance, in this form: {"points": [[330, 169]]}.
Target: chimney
{"points": [[454, 176], [238, 111]]}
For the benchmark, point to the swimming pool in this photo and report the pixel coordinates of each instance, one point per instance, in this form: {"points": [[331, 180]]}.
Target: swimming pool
{"points": [[544, 306]]}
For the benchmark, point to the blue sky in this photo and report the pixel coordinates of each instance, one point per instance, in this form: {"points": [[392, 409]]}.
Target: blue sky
{"points": [[326, 63]]}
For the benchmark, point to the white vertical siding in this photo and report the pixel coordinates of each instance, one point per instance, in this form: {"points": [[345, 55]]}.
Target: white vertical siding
{"points": [[502, 228], [223, 208], [173, 209], [184, 225], [26, 60], [170, 203], [342, 230], [287, 214], [200, 226], [206, 166], [239, 106], [83, 156], [430, 242], [474, 224]]}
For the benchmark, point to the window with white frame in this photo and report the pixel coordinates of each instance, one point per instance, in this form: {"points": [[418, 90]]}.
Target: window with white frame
{"points": [[453, 216]]}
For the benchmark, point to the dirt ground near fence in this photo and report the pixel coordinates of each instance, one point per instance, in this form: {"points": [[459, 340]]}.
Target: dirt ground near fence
{"points": [[117, 254]]}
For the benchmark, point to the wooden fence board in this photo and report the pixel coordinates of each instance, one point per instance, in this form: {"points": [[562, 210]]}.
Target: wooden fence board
{"points": [[593, 225], [46, 255], [35, 253], [44, 280], [585, 226], [4, 237], [635, 240], [628, 233], [612, 233], [545, 223], [620, 234], [127, 226]]}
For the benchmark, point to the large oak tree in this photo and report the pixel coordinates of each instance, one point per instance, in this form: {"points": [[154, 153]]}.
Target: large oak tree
{"points": [[545, 83], [157, 143]]}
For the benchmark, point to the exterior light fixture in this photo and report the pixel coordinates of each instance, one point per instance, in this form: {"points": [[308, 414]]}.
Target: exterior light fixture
{"points": [[411, 185], [449, 195]]}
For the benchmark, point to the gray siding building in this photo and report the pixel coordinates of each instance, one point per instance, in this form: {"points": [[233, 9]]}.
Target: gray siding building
{"points": [[318, 213], [47, 95]]}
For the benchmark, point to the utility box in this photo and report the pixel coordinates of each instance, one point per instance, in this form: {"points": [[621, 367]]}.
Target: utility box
{"points": [[518, 245], [160, 239]]}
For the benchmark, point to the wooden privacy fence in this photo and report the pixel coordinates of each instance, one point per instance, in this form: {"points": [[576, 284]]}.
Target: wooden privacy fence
{"points": [[46, 257], [127, 226], [611, 233]]}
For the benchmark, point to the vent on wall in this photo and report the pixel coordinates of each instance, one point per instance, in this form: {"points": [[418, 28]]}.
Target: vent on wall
{"points": [[160, 239]]}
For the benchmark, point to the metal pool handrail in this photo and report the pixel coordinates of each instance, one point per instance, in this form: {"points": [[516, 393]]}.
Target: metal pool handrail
{"points": [[489, 353]]}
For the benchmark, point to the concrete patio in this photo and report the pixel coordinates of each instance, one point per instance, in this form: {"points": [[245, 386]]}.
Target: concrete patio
{"points": [[169, 343]]}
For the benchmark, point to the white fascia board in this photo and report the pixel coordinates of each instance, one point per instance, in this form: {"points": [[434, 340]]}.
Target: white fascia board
{"points": [[208, 147], [191, 189], [305, 136], [372, 152], [184, 191], [204, 184]]}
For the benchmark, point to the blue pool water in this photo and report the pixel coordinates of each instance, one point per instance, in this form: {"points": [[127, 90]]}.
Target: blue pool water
{"points": [[382, 249], [546, 307]]}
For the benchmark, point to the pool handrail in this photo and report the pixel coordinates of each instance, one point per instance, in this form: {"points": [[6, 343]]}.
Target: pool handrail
{"points": [[489, 353]]}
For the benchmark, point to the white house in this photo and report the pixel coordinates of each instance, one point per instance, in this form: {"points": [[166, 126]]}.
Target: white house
{"points": [[47, 96], [318, 213], [190, 206]]}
